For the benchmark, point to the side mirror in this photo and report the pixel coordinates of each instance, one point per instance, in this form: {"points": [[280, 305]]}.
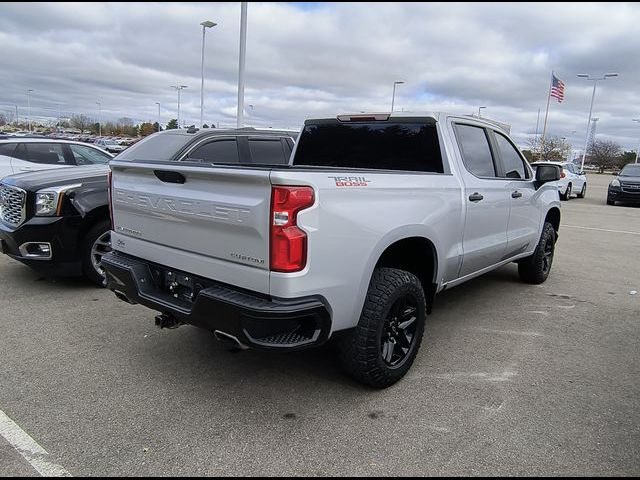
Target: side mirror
{"points": [[547, 173]]}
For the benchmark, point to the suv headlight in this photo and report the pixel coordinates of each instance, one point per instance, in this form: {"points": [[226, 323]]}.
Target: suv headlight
{"points": [[615, 183], [49, 201]]}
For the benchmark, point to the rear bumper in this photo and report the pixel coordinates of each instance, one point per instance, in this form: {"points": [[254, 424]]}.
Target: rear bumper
{"points": [[255, 320]]}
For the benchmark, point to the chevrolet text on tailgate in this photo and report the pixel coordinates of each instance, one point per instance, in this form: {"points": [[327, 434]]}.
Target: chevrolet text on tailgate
{"points": [[349, 240]]}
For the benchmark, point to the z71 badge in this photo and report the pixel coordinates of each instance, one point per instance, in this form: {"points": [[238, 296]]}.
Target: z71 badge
{"points": [[351, 181]]}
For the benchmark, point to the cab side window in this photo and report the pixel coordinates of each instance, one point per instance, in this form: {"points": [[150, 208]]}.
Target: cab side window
{"points": [[476, 153], [218, 151], [512, 162]]}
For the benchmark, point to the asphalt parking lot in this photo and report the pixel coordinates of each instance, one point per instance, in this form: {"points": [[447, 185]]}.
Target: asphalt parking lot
{"points": [[512, 379]]}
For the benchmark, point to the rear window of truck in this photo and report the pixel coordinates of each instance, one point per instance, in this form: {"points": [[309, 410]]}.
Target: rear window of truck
{"points": [[376, 145]]}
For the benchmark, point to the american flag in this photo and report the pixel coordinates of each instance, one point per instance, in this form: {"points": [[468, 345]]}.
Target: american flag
{"points": [[557, 88]]}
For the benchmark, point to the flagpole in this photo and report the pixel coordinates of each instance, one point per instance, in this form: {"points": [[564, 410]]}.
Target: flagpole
{"points": [[546, 115]]}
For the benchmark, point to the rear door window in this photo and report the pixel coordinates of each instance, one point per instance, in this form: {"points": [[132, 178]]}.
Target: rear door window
{"points": [[41, 153], [223, 151], [268, 151], [476, 153]]}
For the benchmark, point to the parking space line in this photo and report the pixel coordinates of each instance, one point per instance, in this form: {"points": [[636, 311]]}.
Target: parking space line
{"points": [[602, 230], [29, 448]]}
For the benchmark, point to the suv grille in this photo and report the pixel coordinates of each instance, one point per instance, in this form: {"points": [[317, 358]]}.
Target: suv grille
{"points": [[630, 187], [12, 205]]}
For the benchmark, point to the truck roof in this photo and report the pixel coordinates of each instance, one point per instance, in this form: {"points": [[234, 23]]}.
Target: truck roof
{"points": [[404, 116]]}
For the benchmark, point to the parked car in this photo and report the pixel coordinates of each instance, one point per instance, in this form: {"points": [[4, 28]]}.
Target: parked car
{"points": [[350, 240], [26, 154], [626, 187], [571, 179], [58, 222], [109, 145]]}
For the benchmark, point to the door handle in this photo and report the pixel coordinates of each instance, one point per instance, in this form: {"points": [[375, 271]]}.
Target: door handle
{"points": [[516, 194], [168, 176], [26, 169], [476, 197]]}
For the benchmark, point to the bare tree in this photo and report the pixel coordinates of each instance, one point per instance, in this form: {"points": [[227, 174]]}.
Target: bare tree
{"points": [[555, 149], [81, 122], [604, 153]]}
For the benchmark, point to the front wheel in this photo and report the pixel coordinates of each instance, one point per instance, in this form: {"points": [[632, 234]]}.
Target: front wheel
{"points": [[583, 192], [382, 348], [97, 243], [535, 269]]}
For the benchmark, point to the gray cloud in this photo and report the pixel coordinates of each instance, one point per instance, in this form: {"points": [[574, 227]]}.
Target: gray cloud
{"points": [[325, 59]]}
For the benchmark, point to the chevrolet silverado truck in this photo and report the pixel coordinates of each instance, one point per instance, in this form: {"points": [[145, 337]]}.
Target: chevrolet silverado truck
{"points": [[373, 215]]}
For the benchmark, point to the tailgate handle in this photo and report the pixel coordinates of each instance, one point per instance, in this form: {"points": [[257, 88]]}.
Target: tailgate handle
{"points": [[170, 177]]}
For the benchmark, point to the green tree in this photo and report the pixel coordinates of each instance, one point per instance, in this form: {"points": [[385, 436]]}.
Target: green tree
{"points": [[626, 157], [146, 129], [205, 126], [157, 127], [173, 124], [528, 154]]}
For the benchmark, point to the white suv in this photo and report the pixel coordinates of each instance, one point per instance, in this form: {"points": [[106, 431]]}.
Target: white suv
{"points": [[22, 154], [572, 180]]}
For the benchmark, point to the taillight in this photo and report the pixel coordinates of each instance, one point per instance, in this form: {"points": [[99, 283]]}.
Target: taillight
{"points": [[288, 242], [562, 175], [110, 183]]}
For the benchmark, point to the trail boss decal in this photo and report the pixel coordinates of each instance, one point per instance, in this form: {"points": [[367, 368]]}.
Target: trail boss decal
{"points": [[351, 181]]}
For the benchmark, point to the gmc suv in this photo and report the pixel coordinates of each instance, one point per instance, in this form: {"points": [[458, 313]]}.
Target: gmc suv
{"points": [[373, 215]]}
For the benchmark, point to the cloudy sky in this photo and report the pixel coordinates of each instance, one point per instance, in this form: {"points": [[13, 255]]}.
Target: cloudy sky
{"points": [[319, 59]]}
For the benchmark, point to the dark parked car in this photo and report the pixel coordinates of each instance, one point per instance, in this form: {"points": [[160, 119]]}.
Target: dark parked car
{"points": [[626, 186], [57, 221]]}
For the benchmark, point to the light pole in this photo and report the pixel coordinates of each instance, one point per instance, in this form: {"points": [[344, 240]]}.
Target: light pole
{"points": [[593, 96], [29, 107], [206, 24], [178, 88], [480, 108], [99, 118], [638, 149], [393, 97], [158, 103], [241, 63]]}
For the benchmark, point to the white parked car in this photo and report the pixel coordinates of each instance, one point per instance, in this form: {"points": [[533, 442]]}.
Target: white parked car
{"points": [[23, 154], [110, 145], [572, 180]]}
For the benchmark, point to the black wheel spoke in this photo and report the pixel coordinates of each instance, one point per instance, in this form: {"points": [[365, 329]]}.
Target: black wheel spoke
{"points": [[403, 340]]}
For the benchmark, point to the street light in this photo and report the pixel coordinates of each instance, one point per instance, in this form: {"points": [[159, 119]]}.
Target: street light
{"points": [[99, 118], [29, 107], [479, 108], [638, 149], [206, 24], [593, 96], [158, 103], [393, 97], [178, 88]]}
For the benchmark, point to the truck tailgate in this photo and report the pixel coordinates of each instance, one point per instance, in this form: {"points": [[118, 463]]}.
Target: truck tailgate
{"points": [[207, 221]]}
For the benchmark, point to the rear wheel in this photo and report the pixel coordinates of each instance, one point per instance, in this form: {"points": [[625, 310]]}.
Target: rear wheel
{"points": [[97, 243], [583, 192], [382, 348], [535, 269], [567, 194]]}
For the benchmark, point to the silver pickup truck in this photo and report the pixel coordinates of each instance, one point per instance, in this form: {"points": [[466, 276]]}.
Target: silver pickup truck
{"points": [[351, 239]]}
